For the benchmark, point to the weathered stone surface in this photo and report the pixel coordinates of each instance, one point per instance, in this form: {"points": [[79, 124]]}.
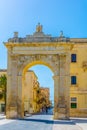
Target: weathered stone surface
{"points": [[22, 56]]}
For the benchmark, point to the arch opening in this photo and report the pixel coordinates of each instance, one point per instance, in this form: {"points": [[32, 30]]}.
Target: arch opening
{"points": [[38, 77]]}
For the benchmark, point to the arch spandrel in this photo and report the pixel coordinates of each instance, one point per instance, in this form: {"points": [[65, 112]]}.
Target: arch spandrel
{"points": [[51, 61]]}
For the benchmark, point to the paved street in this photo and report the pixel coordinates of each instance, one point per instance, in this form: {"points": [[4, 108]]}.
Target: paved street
{"points": [[42, 122]]}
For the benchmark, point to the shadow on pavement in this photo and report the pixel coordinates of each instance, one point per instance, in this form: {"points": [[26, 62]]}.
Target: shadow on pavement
{"points": [[50, 121], [79, 120], [40, 120]]}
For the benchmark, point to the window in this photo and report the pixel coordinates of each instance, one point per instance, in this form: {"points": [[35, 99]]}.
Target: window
{"points": [[73, 99], [73, 102], [73, 79], [73, 105], [73, 57]]}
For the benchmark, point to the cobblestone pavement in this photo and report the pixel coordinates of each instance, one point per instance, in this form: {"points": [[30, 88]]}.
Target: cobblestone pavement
{"points": [[42, 122]]}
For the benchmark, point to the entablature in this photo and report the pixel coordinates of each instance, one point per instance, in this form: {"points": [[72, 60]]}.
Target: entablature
{"points": [[41, 48]]}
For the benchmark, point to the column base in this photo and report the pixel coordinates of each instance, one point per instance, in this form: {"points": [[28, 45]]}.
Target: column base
{"points": [[61, 115], [12, 113], [58, 116]]}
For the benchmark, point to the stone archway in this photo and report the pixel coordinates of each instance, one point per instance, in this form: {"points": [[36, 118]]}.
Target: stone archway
{"points": [[43, 60], [55, 55]]}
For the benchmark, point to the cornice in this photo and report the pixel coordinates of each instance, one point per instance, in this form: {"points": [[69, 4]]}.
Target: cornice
{"points": [[36, 44]]}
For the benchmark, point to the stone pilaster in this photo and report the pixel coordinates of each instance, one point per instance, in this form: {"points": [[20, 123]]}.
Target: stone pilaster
{"points": [[12, 88], [56, 95], [20, 101], [67, 90], [8, 84], [63, 101]]}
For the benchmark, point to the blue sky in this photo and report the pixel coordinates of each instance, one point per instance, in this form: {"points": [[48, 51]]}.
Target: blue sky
{"points": [[55, 15]]}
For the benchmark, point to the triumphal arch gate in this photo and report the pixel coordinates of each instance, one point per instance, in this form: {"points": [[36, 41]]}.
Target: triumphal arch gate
{"points": [[38, 48]]}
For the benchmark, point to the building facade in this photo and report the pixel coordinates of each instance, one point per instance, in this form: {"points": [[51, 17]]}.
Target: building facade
{"points": [[78, 72], [31, 86], [66, 57]]}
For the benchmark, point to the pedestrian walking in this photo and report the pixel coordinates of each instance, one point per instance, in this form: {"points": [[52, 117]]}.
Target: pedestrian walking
{"points": [[46, 109]]}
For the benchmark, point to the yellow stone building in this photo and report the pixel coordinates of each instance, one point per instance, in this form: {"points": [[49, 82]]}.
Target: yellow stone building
{"points": [[3, 72], [78, 72], [46, 95], [31, 87]]}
